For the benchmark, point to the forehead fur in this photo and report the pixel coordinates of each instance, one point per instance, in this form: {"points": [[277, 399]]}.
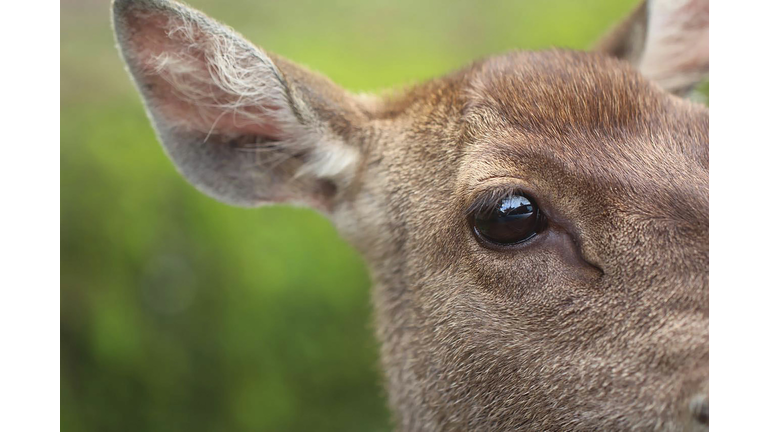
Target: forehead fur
{"points": [[560, 92], [592, 113]]}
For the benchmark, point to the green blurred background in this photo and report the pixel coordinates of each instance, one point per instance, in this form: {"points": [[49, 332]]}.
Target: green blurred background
{"points": [[182, 314]]}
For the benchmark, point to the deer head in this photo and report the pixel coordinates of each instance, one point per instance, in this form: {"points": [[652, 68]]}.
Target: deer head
{"points": [[536, 224]]}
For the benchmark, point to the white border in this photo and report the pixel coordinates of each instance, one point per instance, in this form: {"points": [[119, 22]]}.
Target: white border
{"points": [[29, 230], [738, 241]]}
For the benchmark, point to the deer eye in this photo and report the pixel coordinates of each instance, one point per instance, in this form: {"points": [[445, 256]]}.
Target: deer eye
{"points": [[510, 220]]}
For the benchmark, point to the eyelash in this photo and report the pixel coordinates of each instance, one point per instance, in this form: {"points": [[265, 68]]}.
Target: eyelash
{"points": [[487, 201]]}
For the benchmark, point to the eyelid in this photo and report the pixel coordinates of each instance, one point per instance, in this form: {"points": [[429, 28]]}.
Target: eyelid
{"points": [[489, 199], [493, 190]]}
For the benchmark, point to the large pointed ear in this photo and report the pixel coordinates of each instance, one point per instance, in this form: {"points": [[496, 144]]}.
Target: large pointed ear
{"points": [[666, 40], [243, 126]]}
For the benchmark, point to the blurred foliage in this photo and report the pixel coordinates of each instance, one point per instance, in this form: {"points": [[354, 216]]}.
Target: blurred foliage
{"points": [[182, 314]]}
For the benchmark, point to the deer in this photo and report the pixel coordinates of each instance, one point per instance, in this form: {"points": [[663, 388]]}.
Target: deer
{"points": [[535, 224]]}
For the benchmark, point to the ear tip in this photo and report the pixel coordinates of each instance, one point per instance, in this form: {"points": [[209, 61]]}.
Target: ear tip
{"points": [[123, 7], [131, 17], [122, 4], [125, 12]]}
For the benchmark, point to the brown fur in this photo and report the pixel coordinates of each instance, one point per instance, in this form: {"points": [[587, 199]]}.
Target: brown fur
{"points": [[598, 323]]}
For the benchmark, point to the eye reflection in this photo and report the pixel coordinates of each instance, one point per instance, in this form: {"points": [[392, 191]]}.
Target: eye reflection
{"points": [[515, 205], [513, 219]]}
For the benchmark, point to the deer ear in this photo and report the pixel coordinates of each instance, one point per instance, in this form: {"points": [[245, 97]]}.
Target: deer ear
{"points": [[243, 126], [666, 40]]}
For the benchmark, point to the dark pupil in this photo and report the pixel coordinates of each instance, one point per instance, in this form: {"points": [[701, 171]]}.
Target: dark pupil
{"points": [[514, 220]]}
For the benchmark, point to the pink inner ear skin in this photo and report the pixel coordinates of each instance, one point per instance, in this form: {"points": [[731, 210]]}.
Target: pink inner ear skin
{"points": [[175, 76], [231, 122]]}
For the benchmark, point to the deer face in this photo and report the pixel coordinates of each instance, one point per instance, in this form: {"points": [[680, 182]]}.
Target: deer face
{"points": [[551, 244], [536, 224]]}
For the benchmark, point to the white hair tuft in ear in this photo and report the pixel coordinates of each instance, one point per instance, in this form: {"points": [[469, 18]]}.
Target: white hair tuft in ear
{"points": [[220, 74], [235, 124]]}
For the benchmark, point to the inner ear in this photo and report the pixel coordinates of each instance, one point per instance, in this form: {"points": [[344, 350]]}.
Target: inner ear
{"points": [[202, 79], [237, 126]]}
